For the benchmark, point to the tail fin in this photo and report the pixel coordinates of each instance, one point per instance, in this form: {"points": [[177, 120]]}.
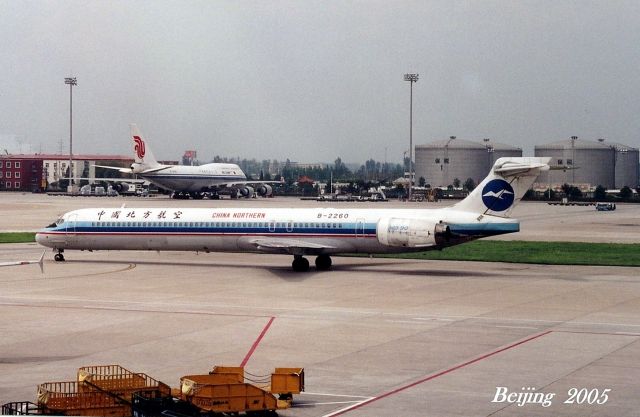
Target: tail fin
{"points": [[506, 184], [142, 151]]}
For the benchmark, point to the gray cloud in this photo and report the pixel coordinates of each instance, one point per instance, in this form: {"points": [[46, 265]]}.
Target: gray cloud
{"points": [[312, 80]]}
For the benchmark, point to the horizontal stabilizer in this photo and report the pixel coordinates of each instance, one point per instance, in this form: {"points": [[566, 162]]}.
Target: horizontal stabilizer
{"points": [[511, 168]]}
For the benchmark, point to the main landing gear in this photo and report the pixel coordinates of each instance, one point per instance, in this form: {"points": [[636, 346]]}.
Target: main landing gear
{"points": [[301, 264], [59, 257]]}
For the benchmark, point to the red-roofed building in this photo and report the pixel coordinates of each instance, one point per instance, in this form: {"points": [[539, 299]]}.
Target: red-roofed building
{"points": [[37, 171]]}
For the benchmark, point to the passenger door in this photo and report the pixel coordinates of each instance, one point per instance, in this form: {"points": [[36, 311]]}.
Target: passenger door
{"points": [[70, 231], [360, 228]]}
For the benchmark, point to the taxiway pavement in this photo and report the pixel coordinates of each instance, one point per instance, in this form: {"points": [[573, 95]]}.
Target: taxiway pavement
{"points": [[376, 337]]}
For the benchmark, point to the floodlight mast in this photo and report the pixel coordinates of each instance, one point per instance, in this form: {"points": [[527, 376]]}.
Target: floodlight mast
{"points": [[412, 78], [71, 81]]}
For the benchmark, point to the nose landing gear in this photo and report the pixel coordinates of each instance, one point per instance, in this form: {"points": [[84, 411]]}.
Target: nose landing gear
{"points": [[59, 257]]}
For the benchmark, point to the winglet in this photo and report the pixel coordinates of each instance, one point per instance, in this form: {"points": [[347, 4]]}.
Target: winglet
{"points": [[41, 262]]}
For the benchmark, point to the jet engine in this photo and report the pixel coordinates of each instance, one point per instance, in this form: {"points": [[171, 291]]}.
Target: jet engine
{"points": [[246, 191], [121, 187], [137, 168], [412, 233], [264, 190]]}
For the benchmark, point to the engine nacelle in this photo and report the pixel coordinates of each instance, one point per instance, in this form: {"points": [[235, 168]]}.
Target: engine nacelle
{"points": [[121, 187], [137, 168], [246, 191], [411, 233], [264, 190]]}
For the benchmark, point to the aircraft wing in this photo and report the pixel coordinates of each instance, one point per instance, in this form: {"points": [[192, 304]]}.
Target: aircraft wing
{"points": [[127, 180], [129, 171], [248, 182], [288, 245], [120, 169], [16, 263]]}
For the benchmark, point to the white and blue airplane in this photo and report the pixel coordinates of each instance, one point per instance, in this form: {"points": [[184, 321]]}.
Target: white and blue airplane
{"points": [[185, 180], [301, 232]]}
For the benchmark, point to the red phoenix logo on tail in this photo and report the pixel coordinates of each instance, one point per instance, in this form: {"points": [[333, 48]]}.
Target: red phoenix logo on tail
{"points": [[139, 146]]}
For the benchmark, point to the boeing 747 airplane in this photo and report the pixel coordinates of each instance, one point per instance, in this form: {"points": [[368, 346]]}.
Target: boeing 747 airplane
{"points": [[189, 181], [302, 232]]}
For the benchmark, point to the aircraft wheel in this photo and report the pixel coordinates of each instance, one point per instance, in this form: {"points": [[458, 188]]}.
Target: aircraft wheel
{"points": [[59, 257], [300, 264], [323, 262]]}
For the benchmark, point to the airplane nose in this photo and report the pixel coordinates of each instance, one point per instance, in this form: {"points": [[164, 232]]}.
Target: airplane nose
{"points": [[41, 239]]}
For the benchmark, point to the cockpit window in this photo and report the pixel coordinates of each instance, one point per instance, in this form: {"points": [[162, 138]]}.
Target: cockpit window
{"points": [[56, 223]]}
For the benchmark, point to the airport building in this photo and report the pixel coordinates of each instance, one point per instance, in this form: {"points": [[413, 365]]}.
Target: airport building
{"points": [[441, 162], [35, 172], [589, 164]]}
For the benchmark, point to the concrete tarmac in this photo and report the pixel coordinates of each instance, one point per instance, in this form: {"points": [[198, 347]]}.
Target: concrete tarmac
{"points": [[377, 337]]}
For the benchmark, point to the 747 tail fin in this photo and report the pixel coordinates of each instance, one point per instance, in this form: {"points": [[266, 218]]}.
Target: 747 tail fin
{"points": [[141, 149]]}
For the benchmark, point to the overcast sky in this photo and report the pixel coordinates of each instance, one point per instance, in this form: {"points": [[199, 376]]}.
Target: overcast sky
{"points": [[313, 80]]}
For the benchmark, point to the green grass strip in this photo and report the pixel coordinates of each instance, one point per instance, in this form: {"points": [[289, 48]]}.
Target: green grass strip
{"points": [[17, 237], [549, 253]]}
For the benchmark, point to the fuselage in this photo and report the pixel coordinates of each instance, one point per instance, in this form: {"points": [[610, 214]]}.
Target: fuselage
{"points": [[194, 178], [290, 231]]}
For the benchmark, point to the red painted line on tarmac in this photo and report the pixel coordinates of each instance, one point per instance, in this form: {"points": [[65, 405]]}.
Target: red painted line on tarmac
{"points": [[257, 342], [434, 376], [599, 333]]}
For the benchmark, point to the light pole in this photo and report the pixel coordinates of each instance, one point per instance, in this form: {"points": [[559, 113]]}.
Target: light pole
{"points": [[412, 78], [71, 82], [573, 159]]}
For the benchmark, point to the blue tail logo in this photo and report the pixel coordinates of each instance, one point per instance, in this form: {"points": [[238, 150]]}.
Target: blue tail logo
{"points": [[498, 195]]}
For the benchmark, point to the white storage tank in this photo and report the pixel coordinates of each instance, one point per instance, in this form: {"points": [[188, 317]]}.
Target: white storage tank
{"points": [[441, 162]]}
